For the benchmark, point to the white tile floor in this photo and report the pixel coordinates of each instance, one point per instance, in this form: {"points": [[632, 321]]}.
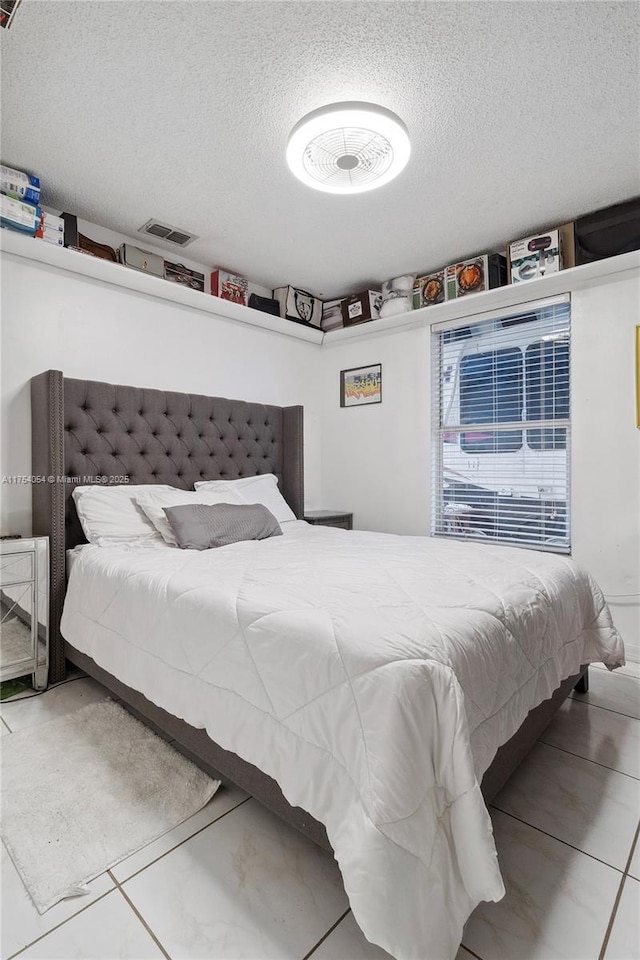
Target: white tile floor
{"points": [[234, 883]]}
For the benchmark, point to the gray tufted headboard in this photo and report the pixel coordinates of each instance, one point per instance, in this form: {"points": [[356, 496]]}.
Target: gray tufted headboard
{"points": [[84, 429]]}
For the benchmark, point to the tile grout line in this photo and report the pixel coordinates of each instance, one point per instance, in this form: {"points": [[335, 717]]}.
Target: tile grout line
{"points": [[616, 902], [142, 920], [21, 697], [587, 759], [61, 924], [585, 703], [597, 762], [324, 937], [471, 953], [181, 842], [117, 886], [578, 698], [4, 723], [565, 842]]}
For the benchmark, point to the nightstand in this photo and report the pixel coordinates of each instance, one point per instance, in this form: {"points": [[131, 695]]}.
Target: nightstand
{"points": [[24, 609], [330, 518]]}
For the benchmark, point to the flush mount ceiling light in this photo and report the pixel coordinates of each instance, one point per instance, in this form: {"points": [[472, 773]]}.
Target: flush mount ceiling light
{"points": [[348, 147]]}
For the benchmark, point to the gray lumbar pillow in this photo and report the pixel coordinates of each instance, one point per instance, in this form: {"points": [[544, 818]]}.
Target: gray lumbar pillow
{"points": [[199, 526]]}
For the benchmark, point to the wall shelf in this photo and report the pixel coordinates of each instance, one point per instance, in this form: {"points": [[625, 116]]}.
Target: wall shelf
{"points": [[514, 295], [120, 276]]}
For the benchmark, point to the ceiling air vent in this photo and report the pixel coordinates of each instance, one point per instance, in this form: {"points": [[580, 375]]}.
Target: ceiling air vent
{"points": [[163, 231]]}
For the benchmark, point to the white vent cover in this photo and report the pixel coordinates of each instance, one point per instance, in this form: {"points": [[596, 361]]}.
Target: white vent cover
{"points": [[163, 231], [348, 148]]}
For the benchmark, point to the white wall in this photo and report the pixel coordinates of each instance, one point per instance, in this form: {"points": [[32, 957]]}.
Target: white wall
{"points": [[89, 329], [376, 459], [606, 446], [372, 460]]}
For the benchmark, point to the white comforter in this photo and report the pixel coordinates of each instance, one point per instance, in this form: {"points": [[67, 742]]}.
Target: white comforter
{"points": [[373, 676]]}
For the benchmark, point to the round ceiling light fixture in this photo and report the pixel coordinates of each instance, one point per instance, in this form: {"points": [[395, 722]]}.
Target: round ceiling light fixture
{"points": [[348, 147]]}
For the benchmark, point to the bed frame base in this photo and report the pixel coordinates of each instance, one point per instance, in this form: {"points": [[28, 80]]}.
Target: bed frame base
{"points": [[221, 764]]}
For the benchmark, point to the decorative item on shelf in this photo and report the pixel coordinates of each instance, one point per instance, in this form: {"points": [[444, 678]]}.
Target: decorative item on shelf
{"points": [[264, 304], [361, 307], [475, 275], [361, 385], [75, 240], [51, 229], [429, 290], [141, 260], [541, 254], [228, 286], [397, 294], [20, 185], [178, 273], [299, 306], [19, 216], [608, 232], [331, 315]]}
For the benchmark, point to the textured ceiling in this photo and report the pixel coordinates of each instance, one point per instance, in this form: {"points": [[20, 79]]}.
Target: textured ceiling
{"points": [[521, 115]]}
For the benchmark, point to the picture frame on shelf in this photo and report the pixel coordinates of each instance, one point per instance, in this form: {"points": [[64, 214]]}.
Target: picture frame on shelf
{"points": [[360, 386]]}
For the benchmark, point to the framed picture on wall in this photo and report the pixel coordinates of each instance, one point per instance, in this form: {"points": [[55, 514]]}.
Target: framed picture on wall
{"points": [[361, 385]]}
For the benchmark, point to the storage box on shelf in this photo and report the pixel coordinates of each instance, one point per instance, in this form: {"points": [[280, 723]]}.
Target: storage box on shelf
{"points": [[332, 315], [429, 290], [51, 229], [541, 254], [361, 307], [178, 273], [19, 216], [229, 286], [476, 275], [20, 185]]}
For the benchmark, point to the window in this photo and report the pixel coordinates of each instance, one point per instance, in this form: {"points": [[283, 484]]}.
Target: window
{"points": [[502, 427]]}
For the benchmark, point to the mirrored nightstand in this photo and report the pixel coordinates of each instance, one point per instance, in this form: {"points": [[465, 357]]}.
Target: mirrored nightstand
{"points": [[24, 609]]}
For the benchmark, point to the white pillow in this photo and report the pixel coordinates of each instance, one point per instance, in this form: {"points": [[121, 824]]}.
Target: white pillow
{"points": [[152, 502], [110, 513], [262, 489]]}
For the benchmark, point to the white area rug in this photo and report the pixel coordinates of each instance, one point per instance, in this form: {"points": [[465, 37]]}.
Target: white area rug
{"points": [[81, 793]]}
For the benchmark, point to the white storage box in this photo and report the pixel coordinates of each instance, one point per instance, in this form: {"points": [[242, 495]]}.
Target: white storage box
{"points": [[18, 215], [51, 229]]}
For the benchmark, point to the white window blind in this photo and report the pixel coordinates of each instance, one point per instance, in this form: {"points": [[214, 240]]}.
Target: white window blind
{"points": [[501, 430]]}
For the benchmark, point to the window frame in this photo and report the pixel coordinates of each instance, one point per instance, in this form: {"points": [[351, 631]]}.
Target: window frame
{"points": [[516, 523]]}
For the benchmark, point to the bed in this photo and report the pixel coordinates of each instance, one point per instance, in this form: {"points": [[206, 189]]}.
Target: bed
{"points": [[361, 685]]}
